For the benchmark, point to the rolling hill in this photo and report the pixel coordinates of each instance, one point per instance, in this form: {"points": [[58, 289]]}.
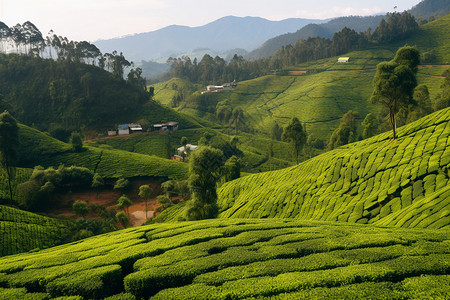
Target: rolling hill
{"points": [[402, 183], [237, 259], [319, 92], [37, 148], [22, 231]]}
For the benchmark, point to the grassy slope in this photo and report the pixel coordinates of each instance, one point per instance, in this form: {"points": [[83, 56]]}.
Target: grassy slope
{"points": [[224, 259], [320, 99], [22, 231], [402, 183], [40, 149]]}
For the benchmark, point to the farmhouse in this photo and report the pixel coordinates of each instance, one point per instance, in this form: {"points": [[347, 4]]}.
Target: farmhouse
{"points": [[123, 129], [112, 132], [170, 126], [182, 152], [343, 59], [181, 149], [128, 128], [219, 88]]}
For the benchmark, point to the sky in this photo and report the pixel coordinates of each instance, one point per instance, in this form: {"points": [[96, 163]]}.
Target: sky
{"points": [[91, 20]]}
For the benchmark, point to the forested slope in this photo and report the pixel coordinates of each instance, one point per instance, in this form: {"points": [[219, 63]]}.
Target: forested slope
{"points": [[401, 183]]}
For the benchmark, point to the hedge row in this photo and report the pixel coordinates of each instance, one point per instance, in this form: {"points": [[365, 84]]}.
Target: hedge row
{"points": [[22, 231], [233, 258], [364, 182]]}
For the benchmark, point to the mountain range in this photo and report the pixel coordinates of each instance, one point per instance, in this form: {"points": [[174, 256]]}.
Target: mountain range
{"points": [[221, 35]]}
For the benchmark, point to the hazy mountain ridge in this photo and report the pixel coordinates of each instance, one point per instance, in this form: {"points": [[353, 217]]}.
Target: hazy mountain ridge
{"points": [[221, 35], [325, 30]]}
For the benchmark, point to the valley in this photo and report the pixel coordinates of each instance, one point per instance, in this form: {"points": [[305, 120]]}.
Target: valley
{"points": [[316, 166]]}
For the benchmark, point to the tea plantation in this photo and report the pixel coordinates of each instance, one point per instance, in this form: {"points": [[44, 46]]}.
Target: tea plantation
{"points": [[401, 183], [37, 148], [238, 259], [23, 231]]}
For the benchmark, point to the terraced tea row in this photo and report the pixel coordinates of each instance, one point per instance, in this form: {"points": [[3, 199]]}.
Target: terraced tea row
{"points": [[22, 231], [403, 183], [238, 259]]}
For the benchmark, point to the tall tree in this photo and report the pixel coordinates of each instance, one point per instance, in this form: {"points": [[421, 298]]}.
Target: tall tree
{"points": [[296, 135], [9, 144], [76, 142], [97, 183], [205, 169], [346, 132], [124, 202], [144, 192], [370, 126], [394, 82]]}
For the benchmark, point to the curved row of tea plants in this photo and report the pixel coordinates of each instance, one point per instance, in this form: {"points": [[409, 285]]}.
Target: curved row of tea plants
{"points": [[391, 183], [238, 259], [22, 231]]}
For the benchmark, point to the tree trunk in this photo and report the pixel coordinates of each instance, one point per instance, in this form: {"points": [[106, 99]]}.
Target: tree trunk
{"points": [[393, 123], [8, 172], [146, 209]]}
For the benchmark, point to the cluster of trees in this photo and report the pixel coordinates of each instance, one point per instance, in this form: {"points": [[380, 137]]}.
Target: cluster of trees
{"points": [[36, 193], [27, 39], [63, 95], [403, 101], [216, 70]]}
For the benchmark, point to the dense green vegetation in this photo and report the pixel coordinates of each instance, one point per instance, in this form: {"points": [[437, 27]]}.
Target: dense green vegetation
{"points": [[403, 183], [37, 148], [319, 97], [222, 259], [22, 231]]}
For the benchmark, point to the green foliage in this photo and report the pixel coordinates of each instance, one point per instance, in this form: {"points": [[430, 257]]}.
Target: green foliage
{"points": [[372, 181], [71, 94], [37, 191], [395, 81], [370, 126], [295, 134], [205, 169], [145, 192], [80, 208], [123, 219], [122, 185], [245, 258], [76, 142], [23, 231], [346, 132], [124, 202], [9, 143]]}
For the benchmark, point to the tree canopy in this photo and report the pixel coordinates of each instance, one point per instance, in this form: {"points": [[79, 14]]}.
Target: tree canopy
{"points": [[394, 82], [296, 135], [205, 169]]}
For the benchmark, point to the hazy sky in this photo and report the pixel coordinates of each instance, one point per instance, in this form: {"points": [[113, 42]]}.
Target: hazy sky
{"points": [[100, 19]]}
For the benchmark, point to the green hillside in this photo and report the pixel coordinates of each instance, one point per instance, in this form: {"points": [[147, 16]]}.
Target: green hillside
{"points": [[22, 231], [238, 259], [402, 183], [37, 148], [327, 91]]}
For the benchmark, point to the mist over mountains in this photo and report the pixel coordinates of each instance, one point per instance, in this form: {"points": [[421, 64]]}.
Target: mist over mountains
{"points": [[219, 36]]}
